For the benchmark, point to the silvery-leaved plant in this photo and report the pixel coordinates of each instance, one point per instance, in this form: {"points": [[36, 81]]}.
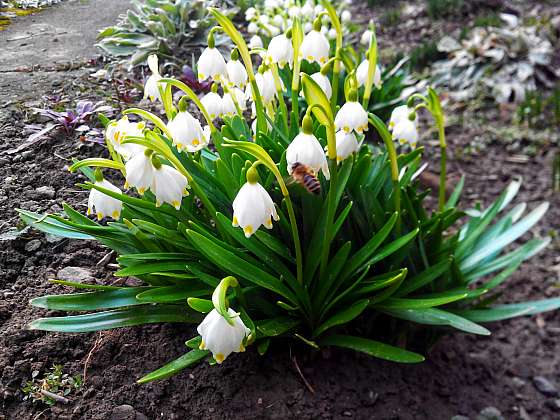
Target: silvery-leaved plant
{"points": [[296, 229], [507, 62]]}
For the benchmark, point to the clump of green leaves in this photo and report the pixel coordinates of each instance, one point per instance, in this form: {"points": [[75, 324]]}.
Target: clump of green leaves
{"points": [[53, 383], [438, 9], [162, 27]]}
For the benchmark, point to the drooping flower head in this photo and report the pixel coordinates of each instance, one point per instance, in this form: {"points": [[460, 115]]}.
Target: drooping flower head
{"points": [[324, 83], [346, 145], [117, 131], [102, 204], [213, 104], [315, 46], [236, 72], [220, 337], [211, 63], [253, 206], [280, 51], [186, 131], [306, 149], [352, 116], [362, 74], [151, 89], [168, 184], [403, 128]]}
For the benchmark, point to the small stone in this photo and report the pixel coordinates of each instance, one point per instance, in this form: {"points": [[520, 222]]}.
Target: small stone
{"points": [[77, 274], [553, 404], [523, 415], [33, 245], [544, 386], [45, 191], [347, 414], [490, 413], [459, 417], [517, 382], [123, 412]]}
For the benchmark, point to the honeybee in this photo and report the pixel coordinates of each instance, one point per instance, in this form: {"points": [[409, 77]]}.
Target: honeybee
{"points": [[304, 176]]}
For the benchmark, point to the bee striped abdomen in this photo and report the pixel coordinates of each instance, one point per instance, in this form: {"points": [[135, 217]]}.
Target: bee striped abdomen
{"points": [[312, 184]]}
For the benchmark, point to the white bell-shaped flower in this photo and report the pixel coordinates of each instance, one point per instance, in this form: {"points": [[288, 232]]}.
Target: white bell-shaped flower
{"points": [[278, 20], [399, 113], [101, 204], [213, 104], [405, 132], [186, 132], [236, 72], [228, 103], [255, 42], [168, 185], [331, 34], [366, 37], [151, 89], [211, 64], [266, 86], [323, 82], [346, 144], [140, 171], [220, 337], [315, 47], [352, 116], [308, 10], [306, 149], [253, 206], [280, 51], [362, 74], [307, 27], [294, 11], [250, 13], [345, 16], [117, 131], [252, 28]]}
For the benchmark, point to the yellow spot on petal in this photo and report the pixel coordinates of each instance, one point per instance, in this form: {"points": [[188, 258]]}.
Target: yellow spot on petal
{"points": [[219, 357], [195, 142], [89, 211], [235, 222], [158, 203], [141, 191], [201, 76], [268, 224], [309, 58], [99, 215], [248, 230], [391, 124], [115, 214], [241, 348], [176, 204], [323, 60], [202, 345], [126, 185]]}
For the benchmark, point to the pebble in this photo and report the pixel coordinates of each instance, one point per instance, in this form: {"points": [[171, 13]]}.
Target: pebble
{"points": [[490, 413], [544, 386], [126, 412], [45, 191], [553, 404], [517, 382], [523, 415], [77, 274], [459, 417], [33, 245]]}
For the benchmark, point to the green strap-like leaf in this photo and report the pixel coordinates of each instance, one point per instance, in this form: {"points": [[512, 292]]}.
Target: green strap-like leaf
{"points": [[233, 264], [177, 365], [373, 348], [137, 315], [342, 317], [428, 302], [512, 310], [276, 326], [435, 316], [91, 301]]}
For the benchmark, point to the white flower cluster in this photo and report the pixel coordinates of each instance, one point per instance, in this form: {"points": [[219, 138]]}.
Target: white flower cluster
{"points": [[276, 16]]}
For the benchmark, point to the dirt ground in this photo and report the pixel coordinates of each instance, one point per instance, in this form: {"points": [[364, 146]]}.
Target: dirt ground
{"points": [[463, 375]]}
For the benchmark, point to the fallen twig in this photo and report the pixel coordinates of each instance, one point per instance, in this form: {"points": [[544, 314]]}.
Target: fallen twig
{"points": [[56, 397]]}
